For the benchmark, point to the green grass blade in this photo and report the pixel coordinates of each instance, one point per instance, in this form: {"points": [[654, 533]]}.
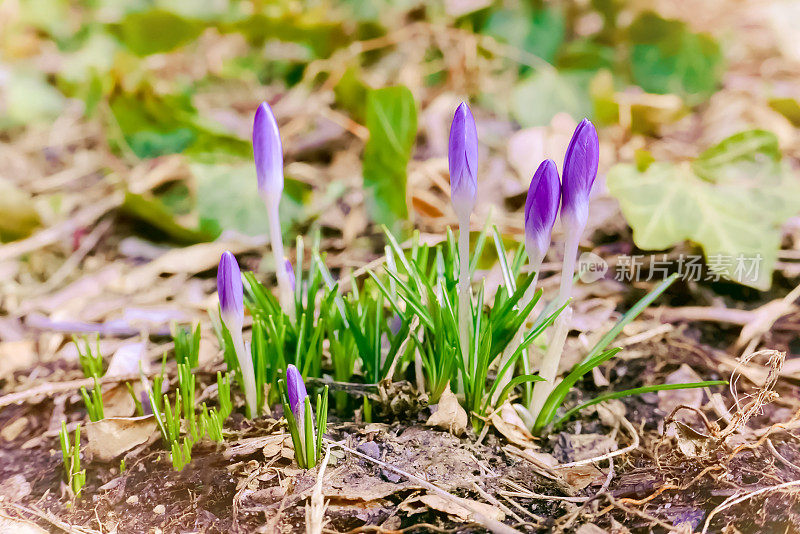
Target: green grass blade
{"points": [[517, 380], [559, 393], [629, 316], [635, 391]]}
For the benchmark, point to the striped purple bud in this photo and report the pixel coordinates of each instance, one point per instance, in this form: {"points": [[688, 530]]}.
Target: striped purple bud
{"points": [[268, 152], [580, 170], [463, 161], [229, 288], [541, 208], [296, 389]]}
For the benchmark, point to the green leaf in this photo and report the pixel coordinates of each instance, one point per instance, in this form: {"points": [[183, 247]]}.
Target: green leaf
{"points": [[154, 125], [539, 97], [731, 200], [306, 28], [155, 31], [392, 124], [154, 212], [666, 57], [788, 107], [351, 94], [540, 32]]}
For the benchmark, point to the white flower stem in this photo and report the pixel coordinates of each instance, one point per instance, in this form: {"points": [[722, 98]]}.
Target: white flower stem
{"points": [[549, 367], [568, 267], [464, 308], [246, 366], [285, 293], [552, 357]]}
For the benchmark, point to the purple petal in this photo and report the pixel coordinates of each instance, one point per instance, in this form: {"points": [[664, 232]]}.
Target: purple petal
{"points": [[296, 390], [229, 286], [541, 208], [580, 170], [463, 159], [268, 151]]}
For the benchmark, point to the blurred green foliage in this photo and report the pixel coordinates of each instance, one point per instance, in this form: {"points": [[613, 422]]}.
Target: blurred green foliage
{"points": [[113, 57], [392, 123]]}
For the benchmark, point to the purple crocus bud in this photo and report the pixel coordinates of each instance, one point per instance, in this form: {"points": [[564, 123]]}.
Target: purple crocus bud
{"points": [[580, 170], [296, 390], [229, 288], [287, 267], [463, 160], [268, 152], [541, 207]]}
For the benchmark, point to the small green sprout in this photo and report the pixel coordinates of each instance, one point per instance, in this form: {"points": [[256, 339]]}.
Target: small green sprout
{"points": [[94, 402], [91, 360], [187, 345], [71, 456]]}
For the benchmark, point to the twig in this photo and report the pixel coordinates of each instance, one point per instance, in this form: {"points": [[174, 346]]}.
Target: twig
{"points": [[66, 527], [493, 500], [52, 388]]}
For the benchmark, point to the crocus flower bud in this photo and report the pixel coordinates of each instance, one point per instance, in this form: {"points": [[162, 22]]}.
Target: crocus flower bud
{"points": [[541, 207], [463, 160], [296, 390], [268, 152], [289, 270], [580, 170], [229, 288]]}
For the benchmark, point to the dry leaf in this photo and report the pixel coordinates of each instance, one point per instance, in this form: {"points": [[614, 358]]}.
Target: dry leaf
{"points": [[580, 476], [691, 442], [126, 360], [14, 488], [449, 415], [114, 436], [274, 447], [511, 426], [248, 446], [542, 459], [117, 402], [448, 506], [671, 399]]}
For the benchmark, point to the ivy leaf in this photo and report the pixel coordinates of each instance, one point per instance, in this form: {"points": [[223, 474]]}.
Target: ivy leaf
{"points": [[666, 57], [731, 200], [392, 124]]}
